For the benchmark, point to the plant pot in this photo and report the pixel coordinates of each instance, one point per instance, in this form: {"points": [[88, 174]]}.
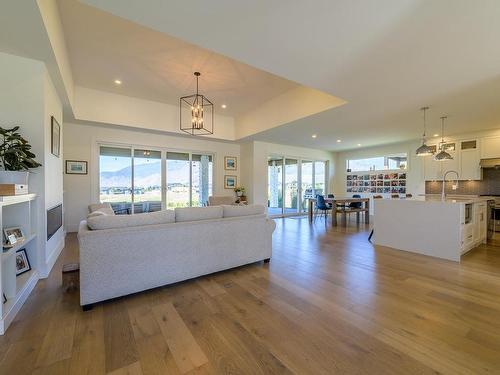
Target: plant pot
{"points": [[239, 193], [14, 177]]}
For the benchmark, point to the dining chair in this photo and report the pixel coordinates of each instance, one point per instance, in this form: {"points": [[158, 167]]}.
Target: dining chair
{"points": [[322, 206], [331, 196]]}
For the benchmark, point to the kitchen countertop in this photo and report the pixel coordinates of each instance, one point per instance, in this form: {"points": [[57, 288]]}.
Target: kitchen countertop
{"points": [[449, 198]]}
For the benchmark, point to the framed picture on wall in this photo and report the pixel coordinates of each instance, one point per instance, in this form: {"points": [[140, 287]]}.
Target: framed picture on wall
{"points": [[55, 144], [22, 262], [230, 182], [76, 167], [230, 163]]}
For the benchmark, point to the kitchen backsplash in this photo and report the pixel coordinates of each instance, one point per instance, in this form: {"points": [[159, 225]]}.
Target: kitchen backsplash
{"points": [[489, 185]]}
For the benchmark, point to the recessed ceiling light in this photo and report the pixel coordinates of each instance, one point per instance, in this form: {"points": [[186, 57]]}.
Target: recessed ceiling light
{"points": [[339, 140], [223, 106], [314, 135], [436, 135], [118, 82], [359, 144]]}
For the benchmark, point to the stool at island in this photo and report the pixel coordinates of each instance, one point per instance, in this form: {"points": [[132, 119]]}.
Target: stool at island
{"points": [[19, 263]]}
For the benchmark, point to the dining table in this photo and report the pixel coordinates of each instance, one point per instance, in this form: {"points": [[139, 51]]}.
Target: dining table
{"points": [[342, 205]]}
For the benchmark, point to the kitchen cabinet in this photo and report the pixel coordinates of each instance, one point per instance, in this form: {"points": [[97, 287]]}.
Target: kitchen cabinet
{"points": [[490, 148], [469, 160], [432, 169]]}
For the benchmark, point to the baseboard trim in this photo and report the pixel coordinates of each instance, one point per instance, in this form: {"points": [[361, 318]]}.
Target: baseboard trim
{"points": [[47, 267], [22, 296]]}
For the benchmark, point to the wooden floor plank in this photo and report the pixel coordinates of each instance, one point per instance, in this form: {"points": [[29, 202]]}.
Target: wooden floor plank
{"points": [[187, 353], [328, 302]]}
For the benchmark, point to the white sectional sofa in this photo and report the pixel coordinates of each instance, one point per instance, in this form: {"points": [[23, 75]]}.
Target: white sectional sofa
{"points": [[124, 254]]}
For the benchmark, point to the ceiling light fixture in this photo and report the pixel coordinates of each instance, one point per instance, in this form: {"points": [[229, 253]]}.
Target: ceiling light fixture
{"points": [[436, 135], [443, 155], [339, 140], [118, 82], [314, 135], [197, 113], [223, 106], [359, 144], [424, 150]]}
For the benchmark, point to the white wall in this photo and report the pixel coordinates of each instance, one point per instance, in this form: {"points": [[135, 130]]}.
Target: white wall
{"points": [[415, 183], [53, 167], [107, 108], [28, 99], [81, 144], [255, 154]]}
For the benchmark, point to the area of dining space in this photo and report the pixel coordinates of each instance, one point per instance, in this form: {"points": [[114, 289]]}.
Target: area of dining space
{"points": [[322, 207]]}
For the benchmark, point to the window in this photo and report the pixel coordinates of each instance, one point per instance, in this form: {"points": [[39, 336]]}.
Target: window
{"points": [[147, 181], [115, 178], [291, 182], [379, 163], [178, 179], [133, 181], [202, 171]]}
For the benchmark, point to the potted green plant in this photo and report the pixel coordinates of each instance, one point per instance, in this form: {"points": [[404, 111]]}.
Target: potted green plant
{"points": [[239, 190], [16, 159]]}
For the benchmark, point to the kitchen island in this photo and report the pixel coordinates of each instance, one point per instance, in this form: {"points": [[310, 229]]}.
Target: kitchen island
{"points": [[431, 226]]}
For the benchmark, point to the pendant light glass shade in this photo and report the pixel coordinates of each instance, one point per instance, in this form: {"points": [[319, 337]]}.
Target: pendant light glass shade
{"points": [[442, 155], [424, 150]]}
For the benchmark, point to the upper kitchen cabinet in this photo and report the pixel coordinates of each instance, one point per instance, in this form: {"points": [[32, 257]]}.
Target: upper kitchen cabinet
{"points": [[432, 168], [469, 160], [490, 148]]}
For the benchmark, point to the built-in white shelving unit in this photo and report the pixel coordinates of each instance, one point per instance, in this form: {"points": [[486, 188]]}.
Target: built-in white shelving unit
{"points": [[17, 211]]}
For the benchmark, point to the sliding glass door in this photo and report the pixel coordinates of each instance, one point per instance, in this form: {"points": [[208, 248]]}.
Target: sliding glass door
{"points": [[275, 185], [147, 181], [178, 179], [291, 182], [134, 181], [202, 171], [115, 178], [291, 185], [307, 183]]}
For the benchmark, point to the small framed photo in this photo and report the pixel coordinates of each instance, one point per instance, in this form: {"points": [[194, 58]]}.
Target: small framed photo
{"points": [[22, 262], [55, 132], [230, 182], [13, 235], [230, 163], [76, 167]]}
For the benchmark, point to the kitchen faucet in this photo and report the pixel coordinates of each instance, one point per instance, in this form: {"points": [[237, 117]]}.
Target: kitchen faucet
{"points": [[454, 186]]}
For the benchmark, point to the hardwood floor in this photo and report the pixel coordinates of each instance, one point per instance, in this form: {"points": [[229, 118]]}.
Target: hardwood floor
{"points": [[327, 303]]}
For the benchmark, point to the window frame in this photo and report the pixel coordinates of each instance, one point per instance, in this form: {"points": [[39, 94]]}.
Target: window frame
{"points": [[300, 159], [96, 170], [394, 154]]}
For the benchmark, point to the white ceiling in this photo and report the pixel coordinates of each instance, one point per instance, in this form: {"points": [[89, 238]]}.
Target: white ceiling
{"points": [[156, 66], [387, 58]]}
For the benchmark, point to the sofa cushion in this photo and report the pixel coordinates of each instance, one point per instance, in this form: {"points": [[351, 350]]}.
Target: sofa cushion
{"points": [[252, 209], [103, 207], [197, 213], [124, 221]]}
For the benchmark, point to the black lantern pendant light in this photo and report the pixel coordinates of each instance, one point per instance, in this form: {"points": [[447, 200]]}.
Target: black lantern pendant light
{"points": [[424, 150], [196, 113], [443, 155]]}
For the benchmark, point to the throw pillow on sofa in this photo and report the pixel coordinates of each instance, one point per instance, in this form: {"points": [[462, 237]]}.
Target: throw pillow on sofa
{"points": [[98, 222], [102, 207]]}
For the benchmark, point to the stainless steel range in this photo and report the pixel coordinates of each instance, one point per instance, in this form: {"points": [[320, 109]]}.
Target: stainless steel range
{"points": [[493, 216]]}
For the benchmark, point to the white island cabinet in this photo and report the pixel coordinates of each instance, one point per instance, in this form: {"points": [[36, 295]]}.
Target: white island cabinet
{"points": [[427, 225]]}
